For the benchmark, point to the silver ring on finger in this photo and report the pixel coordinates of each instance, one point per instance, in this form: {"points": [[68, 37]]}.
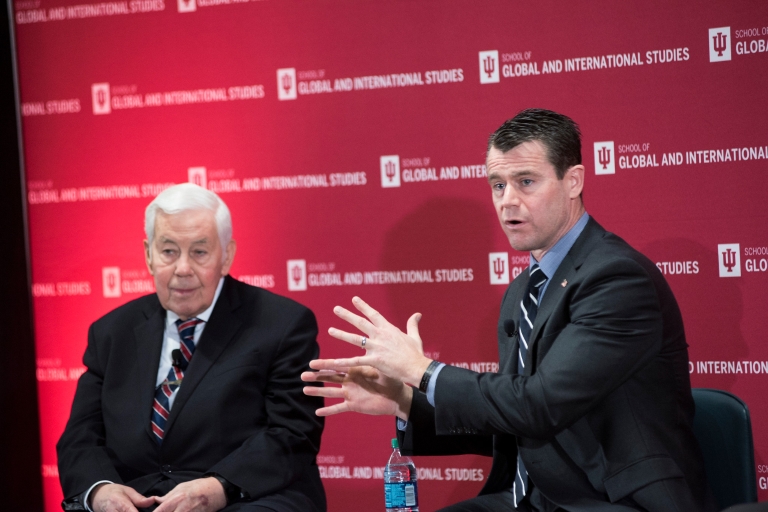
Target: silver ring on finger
{"points": [[363, 342]]}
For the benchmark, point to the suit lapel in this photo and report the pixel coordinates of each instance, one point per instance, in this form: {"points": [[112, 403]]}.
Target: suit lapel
{"points": [[149, 343], [565, 273], [218, 333], [555, 290]]}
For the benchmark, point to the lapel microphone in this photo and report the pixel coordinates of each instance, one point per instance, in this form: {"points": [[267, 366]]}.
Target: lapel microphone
{"points": [[509, 328], [176, 356]]}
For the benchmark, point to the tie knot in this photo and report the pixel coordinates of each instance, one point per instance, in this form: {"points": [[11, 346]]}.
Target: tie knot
{"points": [[183, 325], [537, 277]]}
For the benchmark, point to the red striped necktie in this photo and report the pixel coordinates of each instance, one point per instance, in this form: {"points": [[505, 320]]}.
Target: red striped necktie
{"points": [[161, 408]]}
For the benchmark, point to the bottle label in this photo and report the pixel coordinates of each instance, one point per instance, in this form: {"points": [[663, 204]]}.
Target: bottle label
{"points": [[400, 495]]}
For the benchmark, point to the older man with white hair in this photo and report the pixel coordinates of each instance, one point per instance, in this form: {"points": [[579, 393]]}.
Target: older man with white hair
{"points": [[191, 399]]}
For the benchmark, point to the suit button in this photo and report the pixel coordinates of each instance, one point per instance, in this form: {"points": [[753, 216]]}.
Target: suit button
{"points": [[166, 469]]}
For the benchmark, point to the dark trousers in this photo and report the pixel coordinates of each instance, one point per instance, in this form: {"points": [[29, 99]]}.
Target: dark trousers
{"points": [[652, 497], [485, 503], [499, 501]]}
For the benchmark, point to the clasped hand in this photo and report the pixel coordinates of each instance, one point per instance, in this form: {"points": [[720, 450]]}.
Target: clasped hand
{"points": [[201, 495], [376, 382]]}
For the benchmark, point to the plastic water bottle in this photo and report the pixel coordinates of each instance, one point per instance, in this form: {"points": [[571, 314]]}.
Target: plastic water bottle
{"points": [[400, 492]]}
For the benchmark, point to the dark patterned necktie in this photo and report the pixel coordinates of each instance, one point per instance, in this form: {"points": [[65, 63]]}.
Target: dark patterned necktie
{"points": [[161, 408], [528, 308]]}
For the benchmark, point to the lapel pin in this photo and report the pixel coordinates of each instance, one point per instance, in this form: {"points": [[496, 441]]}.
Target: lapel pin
{"points": [[565, 282]]}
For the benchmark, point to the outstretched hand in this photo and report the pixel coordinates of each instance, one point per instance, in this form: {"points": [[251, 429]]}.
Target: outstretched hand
{"points": [[388, 349], [362, 388]]}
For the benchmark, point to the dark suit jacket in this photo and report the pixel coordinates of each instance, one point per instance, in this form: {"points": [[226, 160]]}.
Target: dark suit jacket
{"points": [[603, 413], [240, 411]]}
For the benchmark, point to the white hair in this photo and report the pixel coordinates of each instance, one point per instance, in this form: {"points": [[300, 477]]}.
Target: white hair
{"points": [[184, 197]]}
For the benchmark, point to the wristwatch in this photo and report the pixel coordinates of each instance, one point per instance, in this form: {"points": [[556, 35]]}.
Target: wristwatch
{"points": [[424, 384], [231, 491]]}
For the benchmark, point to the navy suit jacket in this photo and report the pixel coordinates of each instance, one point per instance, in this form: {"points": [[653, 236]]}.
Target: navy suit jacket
{"points": [[602, 416], [240, 411]]}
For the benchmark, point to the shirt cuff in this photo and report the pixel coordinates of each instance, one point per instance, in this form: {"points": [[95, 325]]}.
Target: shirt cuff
{"points": [[87, 494], [431, 385], [402, 425]]}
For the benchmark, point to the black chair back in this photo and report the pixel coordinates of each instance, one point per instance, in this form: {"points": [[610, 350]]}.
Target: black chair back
{"points": [[724, 431]]}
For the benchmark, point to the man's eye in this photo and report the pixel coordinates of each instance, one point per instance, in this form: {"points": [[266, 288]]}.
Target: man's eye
{"points": [[498, 186], [526, 183], [169, 252], [201, 253]]}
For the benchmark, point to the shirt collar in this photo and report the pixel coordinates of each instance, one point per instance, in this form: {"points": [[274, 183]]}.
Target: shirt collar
{"points": [[171, 317], [555, 256]]}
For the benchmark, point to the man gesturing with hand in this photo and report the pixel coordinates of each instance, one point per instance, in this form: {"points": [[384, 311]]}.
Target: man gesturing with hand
{"points": [[375, 383], [591, 408]]}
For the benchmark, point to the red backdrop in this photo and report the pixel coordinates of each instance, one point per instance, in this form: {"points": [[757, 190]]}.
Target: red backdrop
{"points": [[349, 136]]}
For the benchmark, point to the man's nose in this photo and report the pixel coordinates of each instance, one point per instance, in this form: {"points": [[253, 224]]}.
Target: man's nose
{"points": [[511, 198], [183, 267]]}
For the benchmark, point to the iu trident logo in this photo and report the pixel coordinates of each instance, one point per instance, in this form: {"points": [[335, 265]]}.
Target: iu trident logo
{"points": [[286, 84], [729, 260], [489, 67], [198, 176], [186, 5], [110, 277], [605, 158], [100, 99], [498, 262], [719, 44], [297, 275], [390, 171]]}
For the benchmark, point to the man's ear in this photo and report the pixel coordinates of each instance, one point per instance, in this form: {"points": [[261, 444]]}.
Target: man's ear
{"points": [[148, 257], [229, 256], [575, 177]]}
